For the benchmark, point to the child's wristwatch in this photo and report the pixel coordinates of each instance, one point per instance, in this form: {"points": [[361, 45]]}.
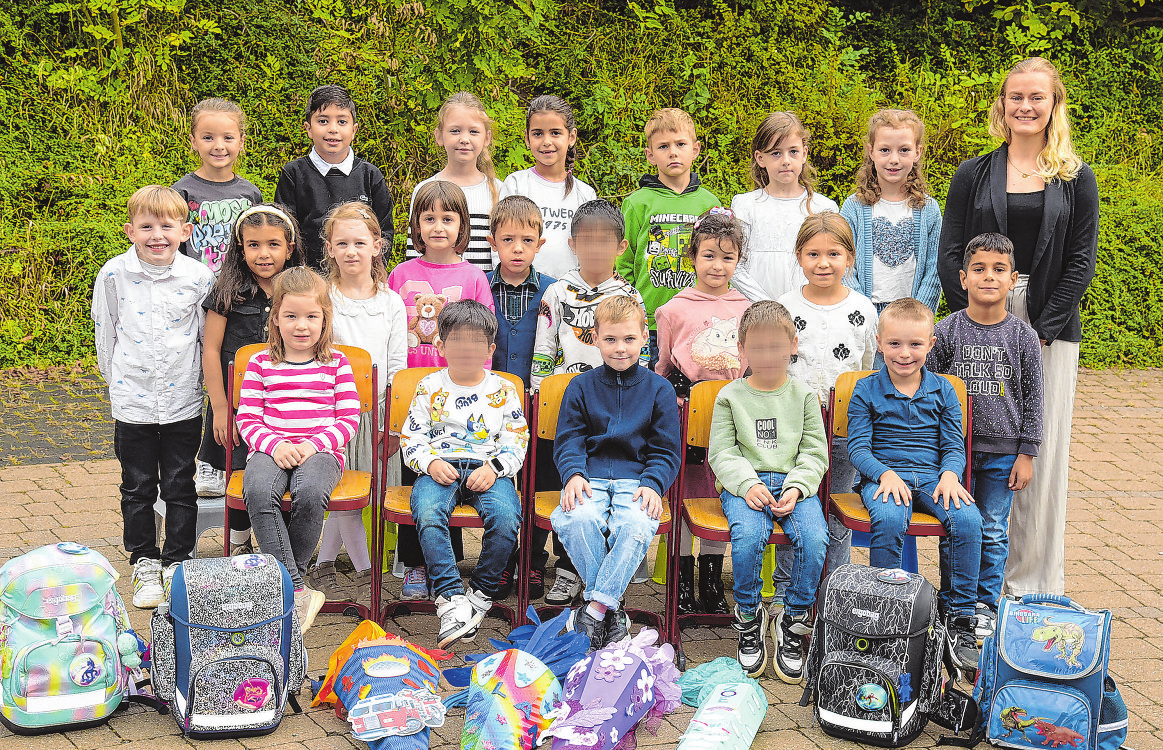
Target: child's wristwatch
{"points": [[496, 465]]}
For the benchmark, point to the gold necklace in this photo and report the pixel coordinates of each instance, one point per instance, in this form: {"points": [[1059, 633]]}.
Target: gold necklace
{"points": [[1015, 166]]}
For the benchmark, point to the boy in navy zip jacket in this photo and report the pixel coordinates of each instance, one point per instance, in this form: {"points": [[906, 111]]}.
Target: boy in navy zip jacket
{"points": [[515, 235], [617, 450]]}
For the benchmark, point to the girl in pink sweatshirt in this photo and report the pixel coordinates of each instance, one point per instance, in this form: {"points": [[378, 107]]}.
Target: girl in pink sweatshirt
{"points": [[697, 340]]}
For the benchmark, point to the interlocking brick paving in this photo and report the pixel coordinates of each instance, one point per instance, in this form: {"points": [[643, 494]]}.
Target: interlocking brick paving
{"points": [[1114, 556]]}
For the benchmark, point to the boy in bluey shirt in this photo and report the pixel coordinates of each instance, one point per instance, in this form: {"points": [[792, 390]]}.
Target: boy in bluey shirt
{"points": [[147, 313], [466, 434]]}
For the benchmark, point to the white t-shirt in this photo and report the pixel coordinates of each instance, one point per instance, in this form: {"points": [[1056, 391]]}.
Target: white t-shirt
{"points": [[480, 203], [832, 338], [770, 226], [894, 251], [557, 209]]}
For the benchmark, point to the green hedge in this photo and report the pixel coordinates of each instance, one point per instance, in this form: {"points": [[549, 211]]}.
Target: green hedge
{"points": [[94, 94]]}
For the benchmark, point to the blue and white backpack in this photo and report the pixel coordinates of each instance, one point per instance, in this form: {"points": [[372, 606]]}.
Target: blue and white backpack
{"points": [[227, 651], [1043, 679], [67, 655]]}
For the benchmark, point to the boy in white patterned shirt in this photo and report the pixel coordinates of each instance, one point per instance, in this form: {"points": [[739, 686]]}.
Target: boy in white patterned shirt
{"points": [[147, 312], [466, 434]]}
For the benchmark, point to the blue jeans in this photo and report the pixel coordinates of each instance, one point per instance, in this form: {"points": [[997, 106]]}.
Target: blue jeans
{"points": [[991, 479], [960, 566], [606, 565], [750, 530], [839, 536], [432, 505]]}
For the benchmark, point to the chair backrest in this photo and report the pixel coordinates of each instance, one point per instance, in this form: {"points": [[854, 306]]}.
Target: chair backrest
{"points": [[842, 397], [361, 368], [403, 390], [700, 406], [549, 397]]}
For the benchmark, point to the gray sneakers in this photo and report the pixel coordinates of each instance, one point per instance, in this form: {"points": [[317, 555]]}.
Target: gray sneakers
{"points": [[567, 587]]}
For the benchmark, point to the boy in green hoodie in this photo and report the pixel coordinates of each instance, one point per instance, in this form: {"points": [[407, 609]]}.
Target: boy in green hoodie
{"points": [[661, 213]]}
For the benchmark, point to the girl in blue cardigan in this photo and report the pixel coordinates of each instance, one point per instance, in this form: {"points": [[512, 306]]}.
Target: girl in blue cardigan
{"points": [[896, 223]]}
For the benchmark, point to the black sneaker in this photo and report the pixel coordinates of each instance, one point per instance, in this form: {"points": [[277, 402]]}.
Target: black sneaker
{"points": [[789, 634], [961, 646], [582, 621], [536, 585], [752, 641], [617, 625]]}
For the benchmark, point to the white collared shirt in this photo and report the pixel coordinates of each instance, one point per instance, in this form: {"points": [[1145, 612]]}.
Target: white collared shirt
{"points": [[344, 166], [149, 337]]}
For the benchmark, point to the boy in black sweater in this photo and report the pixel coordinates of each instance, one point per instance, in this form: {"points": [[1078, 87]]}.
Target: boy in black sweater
{"points": [[617, 449], [331, 173]]}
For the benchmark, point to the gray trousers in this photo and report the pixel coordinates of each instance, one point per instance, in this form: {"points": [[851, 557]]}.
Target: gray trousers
{"points": [[291, 540]]}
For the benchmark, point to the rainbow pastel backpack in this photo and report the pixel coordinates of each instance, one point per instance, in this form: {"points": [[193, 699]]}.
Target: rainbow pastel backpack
{"points": [[67, 655]]}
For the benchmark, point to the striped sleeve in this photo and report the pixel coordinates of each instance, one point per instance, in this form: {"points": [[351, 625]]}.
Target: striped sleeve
{"points": [[339, 433], [251, 403]]}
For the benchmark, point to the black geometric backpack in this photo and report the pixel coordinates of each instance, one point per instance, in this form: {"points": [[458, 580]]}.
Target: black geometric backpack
{"points": [[227, 651], [874, 663]]}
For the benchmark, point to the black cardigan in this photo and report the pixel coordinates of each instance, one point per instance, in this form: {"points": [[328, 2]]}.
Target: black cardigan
{"points": [[1067, 249]]}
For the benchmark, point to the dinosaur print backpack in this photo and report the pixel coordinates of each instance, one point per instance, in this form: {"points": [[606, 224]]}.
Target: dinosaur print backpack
{"points": [[1044, 679]]}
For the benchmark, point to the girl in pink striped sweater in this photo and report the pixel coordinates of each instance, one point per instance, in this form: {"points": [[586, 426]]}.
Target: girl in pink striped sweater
{"points": [[298, 408]]}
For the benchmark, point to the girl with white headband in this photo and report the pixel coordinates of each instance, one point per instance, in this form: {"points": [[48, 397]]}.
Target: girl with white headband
{"points": [[265, 240]]}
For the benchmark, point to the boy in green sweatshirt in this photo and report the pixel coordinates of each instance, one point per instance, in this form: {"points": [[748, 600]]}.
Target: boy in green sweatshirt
{"points": [[661, 213], [768, 452]]}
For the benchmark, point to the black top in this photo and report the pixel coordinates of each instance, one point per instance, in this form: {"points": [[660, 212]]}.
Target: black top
{"points": [[1064, 255], [310, 196], [1025, 219]]}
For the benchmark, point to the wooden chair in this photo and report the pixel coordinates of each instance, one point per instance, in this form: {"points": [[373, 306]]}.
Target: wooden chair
{"points": [[397, 503], [847, 506], [704, 515], [546, 409], [355, 489]]}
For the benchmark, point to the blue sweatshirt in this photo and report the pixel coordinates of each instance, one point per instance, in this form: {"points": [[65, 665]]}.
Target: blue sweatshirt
{"points": [[889, 430], [619, 425]]}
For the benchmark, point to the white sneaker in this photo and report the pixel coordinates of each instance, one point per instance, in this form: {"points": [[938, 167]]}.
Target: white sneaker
{"points": [[208, 481], [457, 618], [481, 605], [308, 602], [147, 583], [168, 579]]}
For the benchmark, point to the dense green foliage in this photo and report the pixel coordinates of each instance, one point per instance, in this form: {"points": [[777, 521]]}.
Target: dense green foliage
{"points": [[94, 92]]}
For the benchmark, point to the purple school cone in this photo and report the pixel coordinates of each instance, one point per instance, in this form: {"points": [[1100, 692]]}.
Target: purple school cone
{"points": [[609, 692]]}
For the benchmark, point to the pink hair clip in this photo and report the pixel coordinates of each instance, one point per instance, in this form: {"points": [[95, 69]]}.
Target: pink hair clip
{"points": [[715, 211]]}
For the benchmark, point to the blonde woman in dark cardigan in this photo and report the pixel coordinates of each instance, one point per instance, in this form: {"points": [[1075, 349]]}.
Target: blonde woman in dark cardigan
{"points": [[1035, 190]]}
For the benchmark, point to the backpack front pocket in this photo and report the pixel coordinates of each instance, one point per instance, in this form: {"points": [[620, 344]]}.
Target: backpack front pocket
{"points": [[70, 676], [1036, 714], [240, 694]]}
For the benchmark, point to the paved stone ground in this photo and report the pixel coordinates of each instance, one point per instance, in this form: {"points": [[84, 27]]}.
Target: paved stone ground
{"points": [[1113, 560]]}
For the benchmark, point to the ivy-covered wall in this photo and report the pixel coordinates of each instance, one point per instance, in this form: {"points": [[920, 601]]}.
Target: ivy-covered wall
{"points": [[94, 96]]}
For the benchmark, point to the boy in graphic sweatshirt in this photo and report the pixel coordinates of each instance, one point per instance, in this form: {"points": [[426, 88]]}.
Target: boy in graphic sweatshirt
{"points": [[661, 213], [565, 326]]}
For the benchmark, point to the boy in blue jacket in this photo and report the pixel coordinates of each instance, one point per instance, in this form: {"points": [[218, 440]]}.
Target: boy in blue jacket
{"points": [[617, 449], [515, 235]]}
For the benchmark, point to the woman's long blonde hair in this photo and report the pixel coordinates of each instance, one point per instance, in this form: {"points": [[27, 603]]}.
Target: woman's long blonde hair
{"points": [[867, 185], [1057, 160]]}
